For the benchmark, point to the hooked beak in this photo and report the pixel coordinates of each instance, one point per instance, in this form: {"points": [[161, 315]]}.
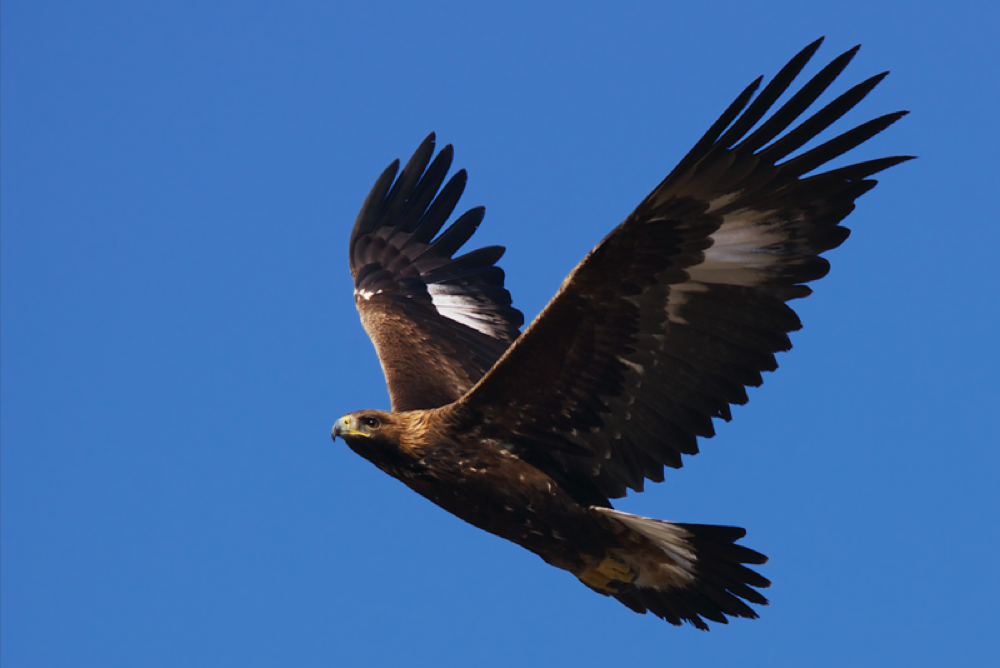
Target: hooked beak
{"points": [[343, 428]]}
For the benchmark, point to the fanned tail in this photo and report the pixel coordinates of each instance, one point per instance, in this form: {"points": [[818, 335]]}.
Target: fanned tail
{"points": [[687, 572]]}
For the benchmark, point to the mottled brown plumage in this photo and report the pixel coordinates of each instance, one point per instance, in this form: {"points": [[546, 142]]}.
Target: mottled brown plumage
{"points": [[658, 331]]}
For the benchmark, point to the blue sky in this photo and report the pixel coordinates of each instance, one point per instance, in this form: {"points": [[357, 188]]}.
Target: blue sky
{"points": [[178, 332]]}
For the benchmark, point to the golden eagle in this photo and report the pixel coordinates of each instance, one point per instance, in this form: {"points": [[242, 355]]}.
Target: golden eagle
{"points": [[657, 331]]}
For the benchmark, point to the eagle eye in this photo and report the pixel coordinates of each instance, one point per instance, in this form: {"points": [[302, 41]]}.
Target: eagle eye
{"points": [[371, 422]]}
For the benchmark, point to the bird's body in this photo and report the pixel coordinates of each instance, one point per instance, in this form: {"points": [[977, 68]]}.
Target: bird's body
{"points": [[481, 479], [482, 482], [657, 332]]}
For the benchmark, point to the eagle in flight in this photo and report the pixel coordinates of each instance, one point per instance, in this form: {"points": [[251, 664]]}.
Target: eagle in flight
{"points": [[660, 328]]}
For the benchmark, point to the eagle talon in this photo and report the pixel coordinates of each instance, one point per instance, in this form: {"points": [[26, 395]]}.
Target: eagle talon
{"points": [[609, 577]]}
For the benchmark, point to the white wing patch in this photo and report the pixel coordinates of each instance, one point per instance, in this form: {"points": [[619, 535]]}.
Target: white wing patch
{"points": [[467, 310], [741, 250]]}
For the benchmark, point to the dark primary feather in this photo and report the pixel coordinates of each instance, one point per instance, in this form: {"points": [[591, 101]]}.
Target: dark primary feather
{"points": [[437, 322], [667, 321]]}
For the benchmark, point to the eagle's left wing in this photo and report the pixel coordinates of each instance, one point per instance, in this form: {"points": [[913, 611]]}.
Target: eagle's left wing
{"points": [[667, 321], [437, 322]]}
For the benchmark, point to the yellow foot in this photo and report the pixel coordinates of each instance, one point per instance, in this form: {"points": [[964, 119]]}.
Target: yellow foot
{"points": [[608, 577]]}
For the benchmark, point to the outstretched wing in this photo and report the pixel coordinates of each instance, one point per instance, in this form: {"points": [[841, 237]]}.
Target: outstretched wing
{"points": [[437, 322], [667, 321]]}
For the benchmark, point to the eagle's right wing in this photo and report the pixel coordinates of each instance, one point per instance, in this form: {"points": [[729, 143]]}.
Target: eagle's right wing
{"points": [[438, 323]]}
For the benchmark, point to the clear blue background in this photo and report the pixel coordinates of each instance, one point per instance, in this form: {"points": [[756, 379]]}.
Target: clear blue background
{"points": [[178, 183]]}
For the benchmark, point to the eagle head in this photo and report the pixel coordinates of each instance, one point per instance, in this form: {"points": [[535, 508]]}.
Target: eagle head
{"points": [[375, 435], [360, 424]]}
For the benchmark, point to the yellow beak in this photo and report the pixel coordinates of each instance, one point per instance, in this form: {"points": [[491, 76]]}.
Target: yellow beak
{"points": [[343, 429]]}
